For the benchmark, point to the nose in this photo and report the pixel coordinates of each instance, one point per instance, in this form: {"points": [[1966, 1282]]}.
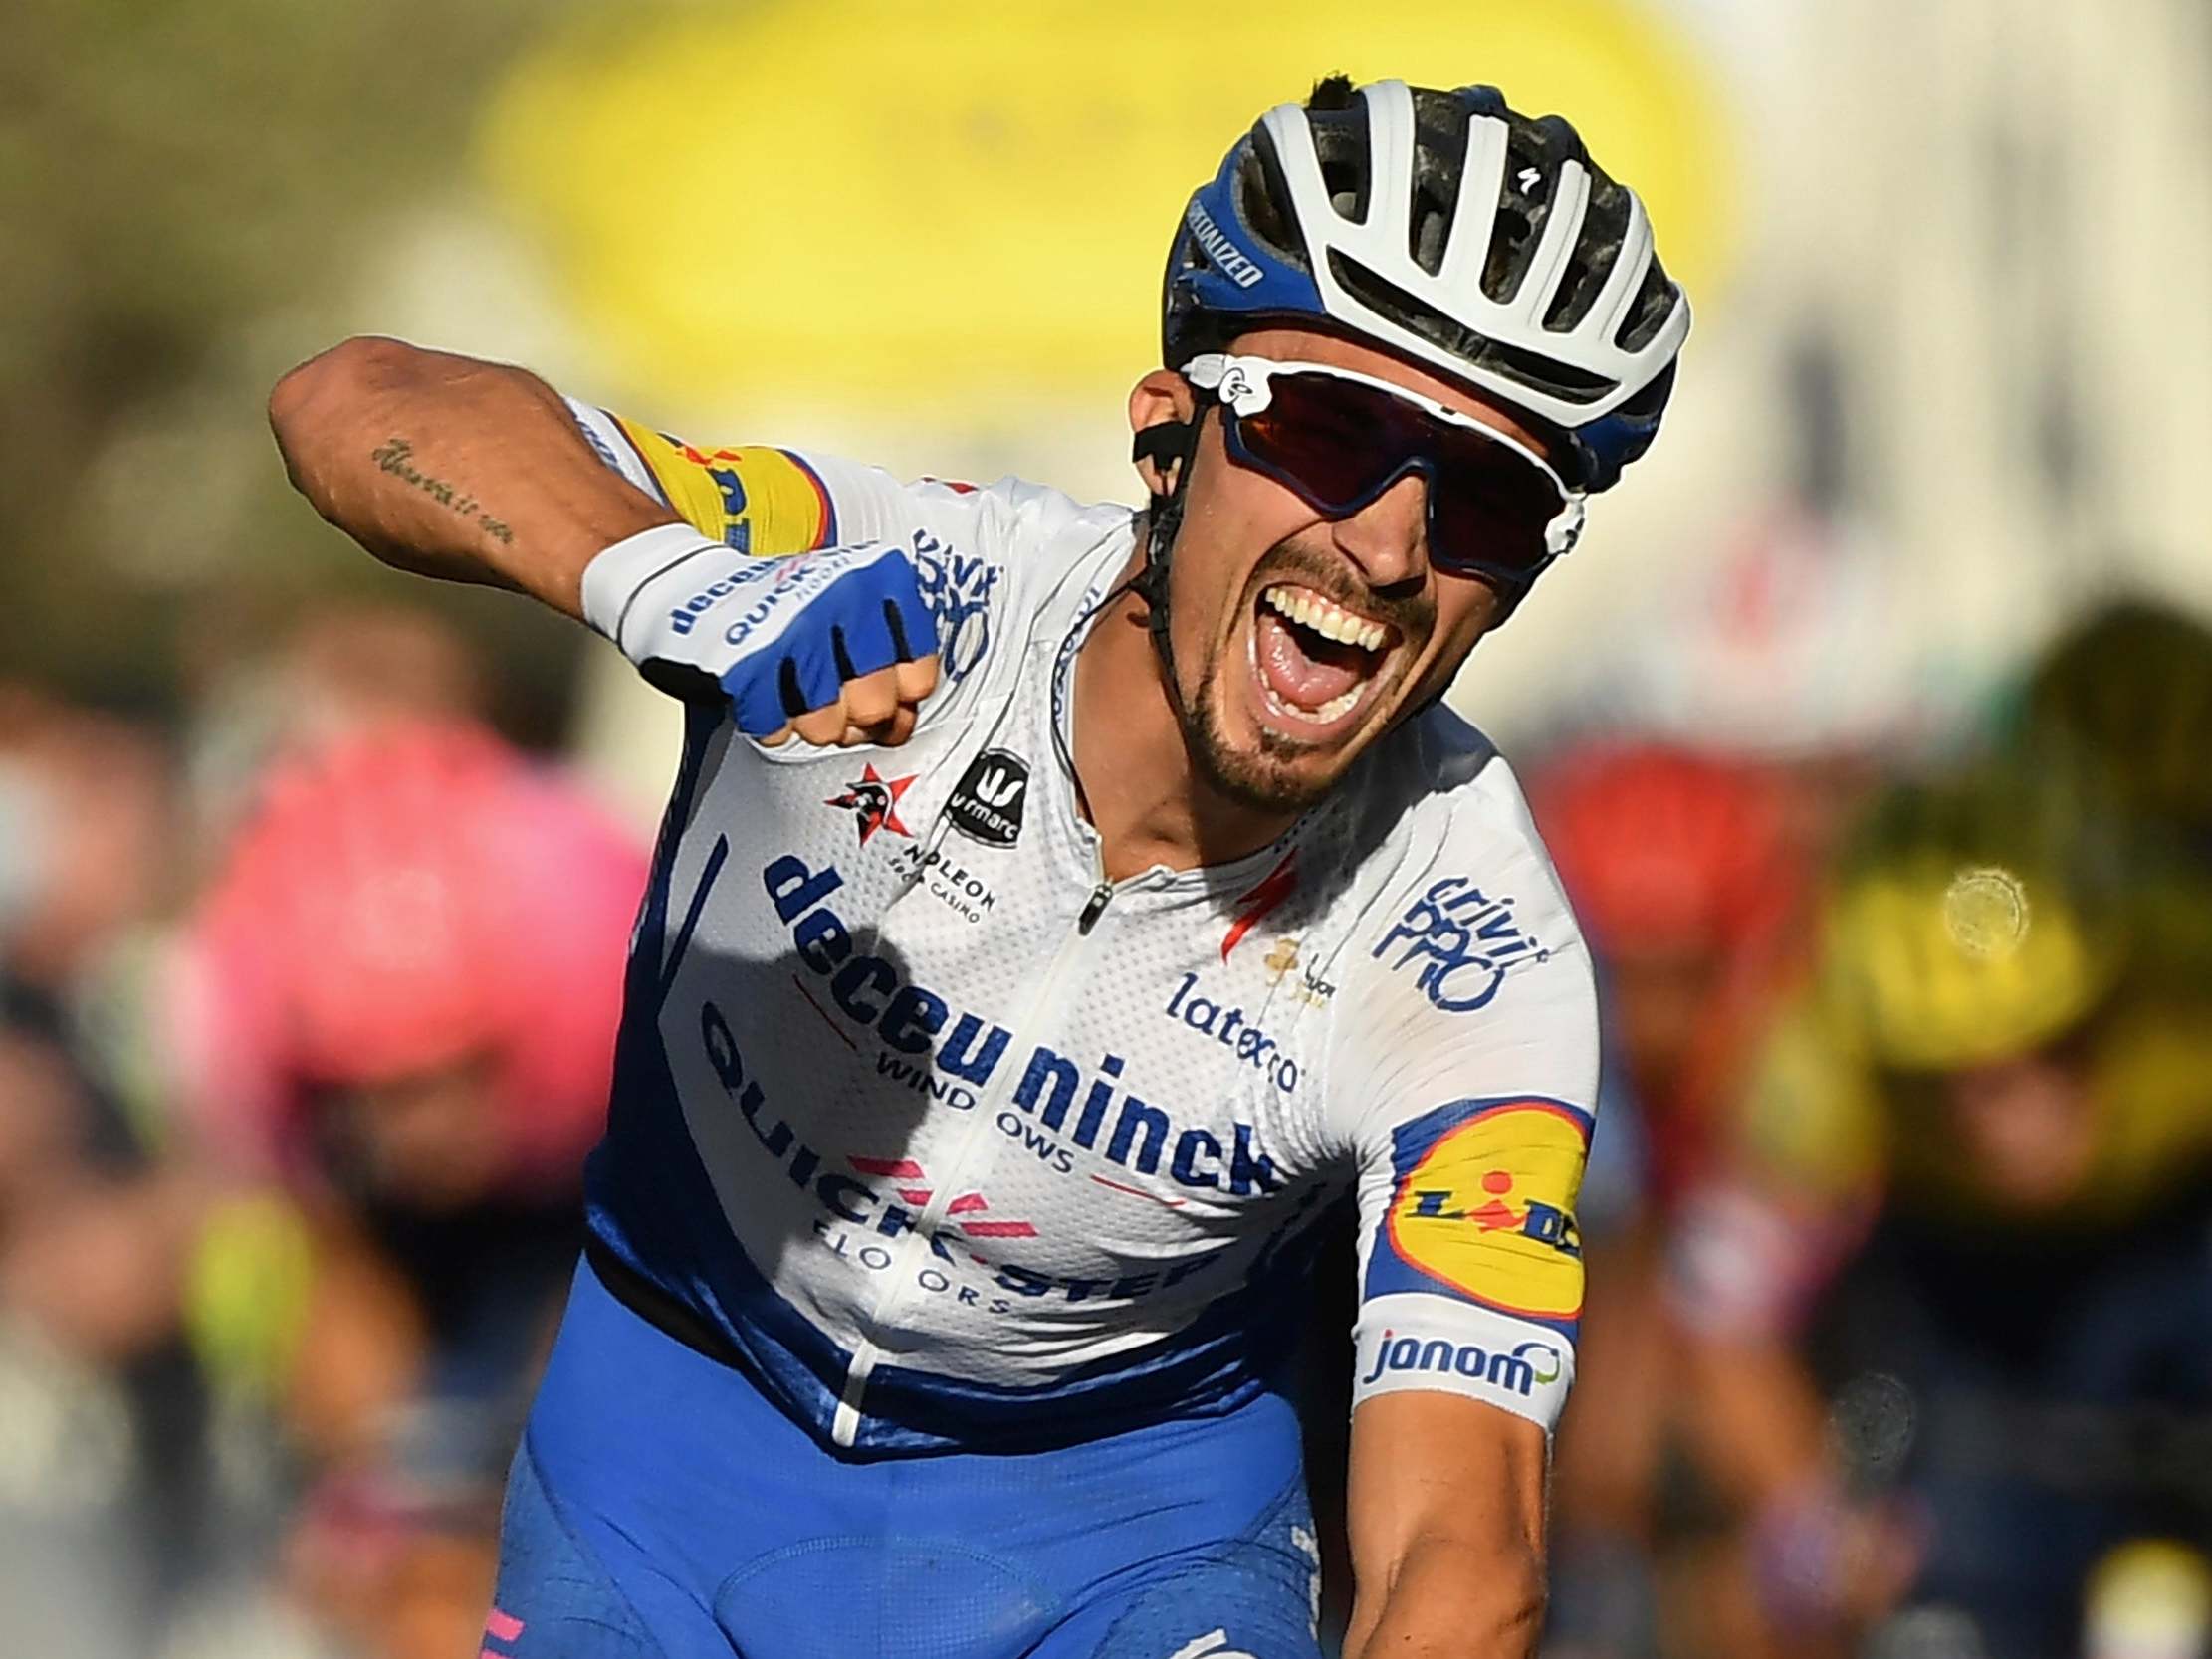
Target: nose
{"points": [[1387, 538]]}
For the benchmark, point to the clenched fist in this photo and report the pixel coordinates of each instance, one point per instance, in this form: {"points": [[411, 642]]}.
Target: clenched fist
{"points": [[836, 647]]}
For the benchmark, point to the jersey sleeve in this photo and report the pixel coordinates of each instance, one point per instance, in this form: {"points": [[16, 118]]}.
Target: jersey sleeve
{"points": [[756, 498], [974, 549], [1469, 1057]]}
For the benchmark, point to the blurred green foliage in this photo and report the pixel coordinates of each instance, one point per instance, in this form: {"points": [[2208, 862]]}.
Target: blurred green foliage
{"points": [[183, 189]]}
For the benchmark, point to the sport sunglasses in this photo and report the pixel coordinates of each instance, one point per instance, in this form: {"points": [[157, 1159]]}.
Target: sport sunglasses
{"points": [[1339, 439]]}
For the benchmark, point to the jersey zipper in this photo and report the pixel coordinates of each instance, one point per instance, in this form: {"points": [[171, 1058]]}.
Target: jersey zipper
{"points": [[1094, 907], [844, 1426]]}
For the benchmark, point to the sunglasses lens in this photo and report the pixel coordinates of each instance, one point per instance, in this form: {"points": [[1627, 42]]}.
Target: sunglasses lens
{"points": [[1337, 443], [1490, 513], [1323, 446]]}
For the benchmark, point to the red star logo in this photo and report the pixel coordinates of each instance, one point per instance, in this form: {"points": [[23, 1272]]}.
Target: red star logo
{"points": [[873, 802]]}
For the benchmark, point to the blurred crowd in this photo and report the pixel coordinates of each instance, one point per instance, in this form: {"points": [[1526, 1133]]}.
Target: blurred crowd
{"points": [[307, 1015], [1898, 1224]]}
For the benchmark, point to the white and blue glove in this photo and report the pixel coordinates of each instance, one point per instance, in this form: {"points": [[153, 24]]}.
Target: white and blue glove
{"points": [[836, 646]]}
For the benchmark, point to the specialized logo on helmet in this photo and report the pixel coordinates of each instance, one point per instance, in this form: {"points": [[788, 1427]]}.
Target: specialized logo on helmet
{"points": [[1232, 260], [1483, 1208]]}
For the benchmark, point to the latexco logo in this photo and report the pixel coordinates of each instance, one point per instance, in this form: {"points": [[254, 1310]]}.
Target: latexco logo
{"points": [[987, 802]]}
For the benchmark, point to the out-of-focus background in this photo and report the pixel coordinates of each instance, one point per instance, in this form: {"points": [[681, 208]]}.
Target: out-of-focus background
{"points": [[1871, 726]]}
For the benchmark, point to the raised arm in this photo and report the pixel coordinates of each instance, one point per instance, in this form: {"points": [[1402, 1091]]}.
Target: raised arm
{"points": [[453, 468], [479, 472]]}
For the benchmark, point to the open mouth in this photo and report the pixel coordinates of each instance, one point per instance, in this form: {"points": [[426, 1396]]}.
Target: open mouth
{"points": [[1314, 660]]}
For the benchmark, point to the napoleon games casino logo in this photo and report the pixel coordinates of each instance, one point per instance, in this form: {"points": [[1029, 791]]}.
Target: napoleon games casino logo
{"points": [[873, 801]]}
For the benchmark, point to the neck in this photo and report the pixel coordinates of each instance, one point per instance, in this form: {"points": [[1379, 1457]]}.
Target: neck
{"points": [[1146, 798]]}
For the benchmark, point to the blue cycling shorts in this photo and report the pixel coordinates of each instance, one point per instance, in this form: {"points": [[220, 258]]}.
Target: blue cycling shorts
{"points": [[659, 1506]]}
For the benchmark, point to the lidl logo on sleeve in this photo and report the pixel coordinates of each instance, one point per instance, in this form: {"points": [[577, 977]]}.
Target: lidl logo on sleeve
{"points": [[759, 501], [1483, 1207]]}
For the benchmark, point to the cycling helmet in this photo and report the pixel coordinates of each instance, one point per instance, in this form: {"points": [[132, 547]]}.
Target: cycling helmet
{"points": [[1663, 850], [1441, 226], [1976, 921], [398, 899]]}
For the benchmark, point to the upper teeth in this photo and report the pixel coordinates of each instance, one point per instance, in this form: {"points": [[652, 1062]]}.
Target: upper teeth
{"points": [[1326, 618]]}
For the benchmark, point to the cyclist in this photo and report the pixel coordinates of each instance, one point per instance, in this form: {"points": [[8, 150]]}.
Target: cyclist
{"points": [[1686, 877], [1973, 1187], [1056, 906]]}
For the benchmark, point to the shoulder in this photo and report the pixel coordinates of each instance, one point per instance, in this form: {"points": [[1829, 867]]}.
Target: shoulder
{"points": [[1460, 877], [1463, 969], [987, 545]]}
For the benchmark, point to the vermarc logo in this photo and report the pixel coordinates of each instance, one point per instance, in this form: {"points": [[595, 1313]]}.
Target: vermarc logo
{"points": [[987, 802]]}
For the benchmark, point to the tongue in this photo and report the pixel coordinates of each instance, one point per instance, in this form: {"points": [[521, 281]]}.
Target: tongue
{"points": [[1302, 667]]}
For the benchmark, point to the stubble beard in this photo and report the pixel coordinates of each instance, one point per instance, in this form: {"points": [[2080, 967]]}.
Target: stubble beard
{"points": [[1267, 778], [1264, 782]]}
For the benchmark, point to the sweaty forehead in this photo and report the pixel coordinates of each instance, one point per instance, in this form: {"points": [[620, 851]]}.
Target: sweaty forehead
{"points": [[1310, 345]]}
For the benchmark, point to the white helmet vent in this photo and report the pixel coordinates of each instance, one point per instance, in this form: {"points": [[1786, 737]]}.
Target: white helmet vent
{"points": [[1532, 293]]}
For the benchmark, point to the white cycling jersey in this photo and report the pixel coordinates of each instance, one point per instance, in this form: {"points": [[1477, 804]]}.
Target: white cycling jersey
{"points": [[953, 1144]]}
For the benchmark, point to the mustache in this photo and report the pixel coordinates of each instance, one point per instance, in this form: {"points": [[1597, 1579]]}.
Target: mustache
{"points": [[1414, 615]]}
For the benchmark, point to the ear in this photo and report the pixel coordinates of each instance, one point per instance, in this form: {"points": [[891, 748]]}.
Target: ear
{"points": [[1160, 398]]}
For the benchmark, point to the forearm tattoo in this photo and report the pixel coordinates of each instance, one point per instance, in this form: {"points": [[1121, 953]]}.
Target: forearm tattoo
{"points": [[395, 455]]}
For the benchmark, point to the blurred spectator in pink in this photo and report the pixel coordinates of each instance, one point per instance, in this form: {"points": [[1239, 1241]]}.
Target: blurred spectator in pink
{"points": [[399, 1003], [339, 668], [86, 813]]}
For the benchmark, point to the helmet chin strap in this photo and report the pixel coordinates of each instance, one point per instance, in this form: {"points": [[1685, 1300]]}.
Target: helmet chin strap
{"points": [[1169, 445]]}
